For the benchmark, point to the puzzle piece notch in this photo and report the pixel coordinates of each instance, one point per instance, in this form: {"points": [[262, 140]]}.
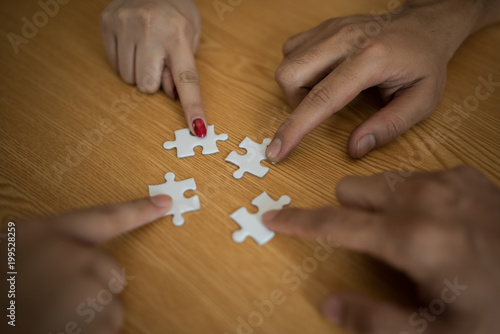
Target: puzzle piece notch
{"points": [[251, 224], [185, 142], [176, 189], [250, 162]]}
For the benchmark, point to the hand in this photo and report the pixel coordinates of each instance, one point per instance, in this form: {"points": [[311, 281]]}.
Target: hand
{"points": [[66, 284], [405, 55], [442, 229], [152, 43]]}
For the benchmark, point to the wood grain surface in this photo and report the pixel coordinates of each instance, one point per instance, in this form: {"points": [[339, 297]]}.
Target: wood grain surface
{"points": [[59, 90]]}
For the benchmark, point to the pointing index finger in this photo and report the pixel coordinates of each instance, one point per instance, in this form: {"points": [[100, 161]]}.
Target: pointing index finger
{"points": [[187, 83], [100, 224], [349, 228], [326, 98]]}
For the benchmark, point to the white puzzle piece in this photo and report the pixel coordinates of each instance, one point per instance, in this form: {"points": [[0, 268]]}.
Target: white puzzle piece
{"points": [[251, 224], [185, 142], [250, 162], [176, 189]]}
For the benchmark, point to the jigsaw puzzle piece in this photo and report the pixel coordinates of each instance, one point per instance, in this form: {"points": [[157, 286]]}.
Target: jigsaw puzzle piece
{"points": [[176, 189], [250, 227], [250, 162], [266, 203], [210, 146], [185, 142], [247, 165], [251, 224], [182, 139]]}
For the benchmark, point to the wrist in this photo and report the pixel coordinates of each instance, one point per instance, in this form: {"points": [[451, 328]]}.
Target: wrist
{"points": [[454, 20]]}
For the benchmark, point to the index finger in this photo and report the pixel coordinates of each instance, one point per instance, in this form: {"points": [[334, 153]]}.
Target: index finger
{"points": [[370, 193], [187, 82], [330, 95], [99, 224], [343, 227]]}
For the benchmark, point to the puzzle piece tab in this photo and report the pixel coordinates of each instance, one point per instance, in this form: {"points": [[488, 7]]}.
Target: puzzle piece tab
{"points": [[185, 142], [251, 224], [250, 162], [176, 189]]}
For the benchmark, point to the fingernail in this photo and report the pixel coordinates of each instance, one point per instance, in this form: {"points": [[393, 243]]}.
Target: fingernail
{"points": [[199, 128], [273, 150], [269, 216], [365, 145], [176, 95], [332, 309], [161, 201]]}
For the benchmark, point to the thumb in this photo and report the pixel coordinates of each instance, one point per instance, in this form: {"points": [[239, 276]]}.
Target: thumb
{"points": [[408, 107], [362, 315]]}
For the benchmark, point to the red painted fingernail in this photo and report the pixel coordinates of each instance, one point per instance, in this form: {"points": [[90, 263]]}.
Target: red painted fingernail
{"points": [[199, 128], [176, 95]]}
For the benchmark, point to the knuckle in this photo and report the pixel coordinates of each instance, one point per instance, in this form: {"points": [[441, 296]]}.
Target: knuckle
{"points": [[148, 83], [460, 180], [146, 12], [393, 125], [346, 30], [147, 88], [437, 242], [436, 192], [179, 23], [285, 75], [428, 236], [104, 21], [287, 46], [189, 76], [377, 49], [350, 74], [146, 16], [304, 57], [123, 15], [331, 23], [320, 95], [288, 73]]}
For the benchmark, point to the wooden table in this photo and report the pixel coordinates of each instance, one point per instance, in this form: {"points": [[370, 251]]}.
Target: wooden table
{"points": [[59, 89]]}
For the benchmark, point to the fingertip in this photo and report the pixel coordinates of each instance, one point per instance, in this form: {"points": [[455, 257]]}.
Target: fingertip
{"points": [[199, 127], [273, 150], [361, 141], [162, 201], [363, 146], [344, 185], [268, 218]]}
